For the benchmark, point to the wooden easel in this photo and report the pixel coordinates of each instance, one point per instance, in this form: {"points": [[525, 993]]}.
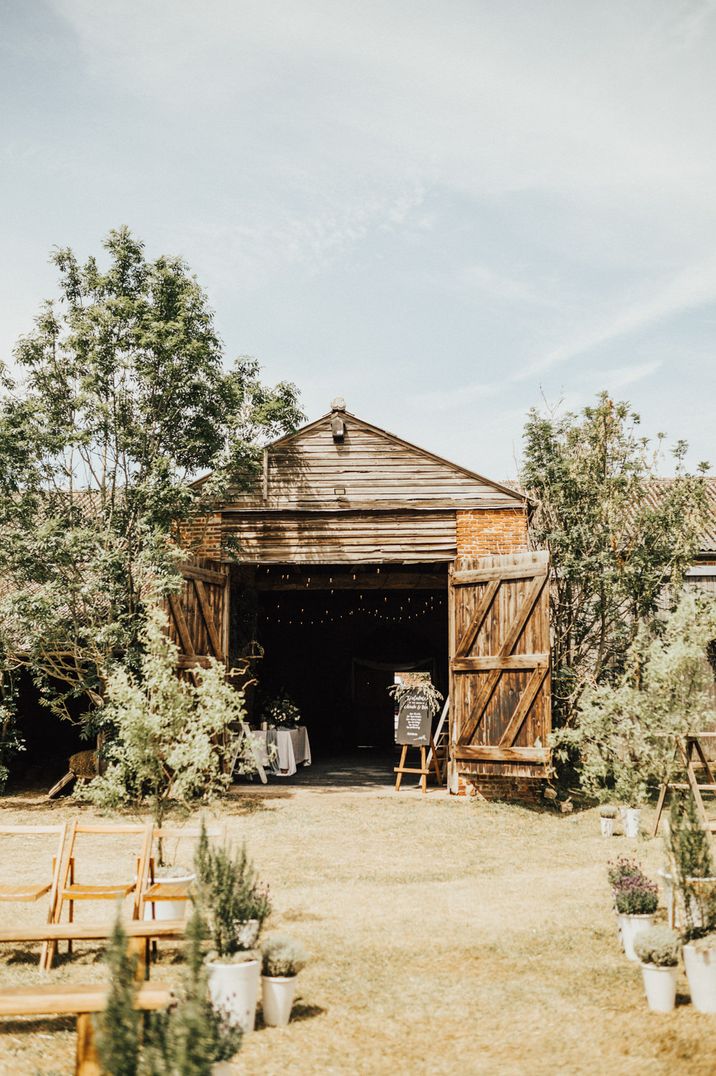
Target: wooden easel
{"points": [[685, 748], [425, 766]]}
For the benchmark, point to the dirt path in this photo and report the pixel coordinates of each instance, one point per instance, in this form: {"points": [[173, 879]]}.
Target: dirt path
{"points": [[446, 937]]}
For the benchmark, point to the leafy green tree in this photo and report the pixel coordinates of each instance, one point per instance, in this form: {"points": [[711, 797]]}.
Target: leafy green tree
{"points": [[122, 401], [617, 536], [623, 733]]}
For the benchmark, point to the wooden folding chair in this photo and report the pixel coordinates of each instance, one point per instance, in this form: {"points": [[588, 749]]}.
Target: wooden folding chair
{"points": [[33, 891], [70, 890]]}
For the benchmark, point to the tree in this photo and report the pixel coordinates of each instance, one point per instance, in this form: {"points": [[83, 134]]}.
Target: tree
{"points": [[123, 401], [624, 731], [617, 536], [168, 741]]}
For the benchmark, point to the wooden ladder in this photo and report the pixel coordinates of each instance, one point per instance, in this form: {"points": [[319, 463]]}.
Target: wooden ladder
{"points": [[441, 740]]}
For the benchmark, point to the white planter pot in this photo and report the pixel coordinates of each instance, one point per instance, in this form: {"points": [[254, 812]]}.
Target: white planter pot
{"points": [[234, 989], [701, 974], [607, 826], [632, 817], [170, 909], [660, 987], [277, 993], [630, 926]]}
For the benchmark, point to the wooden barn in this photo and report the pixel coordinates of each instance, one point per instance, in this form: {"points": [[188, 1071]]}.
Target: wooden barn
{"points": [[359, 555]]}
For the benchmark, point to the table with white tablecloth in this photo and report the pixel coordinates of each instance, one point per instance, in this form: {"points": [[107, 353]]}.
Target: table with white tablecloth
{"points": [[291, 749]]}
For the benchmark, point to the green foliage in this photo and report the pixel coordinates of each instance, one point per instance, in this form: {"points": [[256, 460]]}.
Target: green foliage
{"points": [[168, 739], [424, 690], [185, 1041], [281, 711], [623, 731], [659, 946], [688, 848], [613, 545], [118, 1026], [231, 897], [197, 1036], [281, 956], [123, 400]]}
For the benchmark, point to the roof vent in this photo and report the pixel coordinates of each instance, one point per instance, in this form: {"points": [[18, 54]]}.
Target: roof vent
{"points": [[338, 426]]}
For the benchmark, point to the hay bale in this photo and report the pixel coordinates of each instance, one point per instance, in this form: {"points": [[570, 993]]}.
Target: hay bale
{"points": [[84, 764]]}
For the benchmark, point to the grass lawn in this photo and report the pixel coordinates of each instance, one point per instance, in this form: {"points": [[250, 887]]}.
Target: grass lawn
{"points": [[446, 936]]}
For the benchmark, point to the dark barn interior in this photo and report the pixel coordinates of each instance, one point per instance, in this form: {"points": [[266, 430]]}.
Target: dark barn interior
{"points": [[334, 638]]}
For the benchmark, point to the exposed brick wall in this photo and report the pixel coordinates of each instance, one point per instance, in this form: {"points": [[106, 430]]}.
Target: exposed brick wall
{"points": [[508, 788], [491, 530], [203, 536]]}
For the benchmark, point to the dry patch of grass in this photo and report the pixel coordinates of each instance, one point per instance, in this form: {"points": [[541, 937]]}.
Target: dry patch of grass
{"points": [[446, 936]]}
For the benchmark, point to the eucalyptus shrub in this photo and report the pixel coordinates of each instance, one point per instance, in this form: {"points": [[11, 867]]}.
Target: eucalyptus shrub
{"points": [[168, 740]]}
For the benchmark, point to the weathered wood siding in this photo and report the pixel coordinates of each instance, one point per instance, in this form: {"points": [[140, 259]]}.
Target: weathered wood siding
{"points": [[370, 468], [198, 614], [342, 537]]}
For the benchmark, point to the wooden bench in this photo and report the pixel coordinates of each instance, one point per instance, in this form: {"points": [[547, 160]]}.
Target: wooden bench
{"points": [[80, 1000], [139, 932]]}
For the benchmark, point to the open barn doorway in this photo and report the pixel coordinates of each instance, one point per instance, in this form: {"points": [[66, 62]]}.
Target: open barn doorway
{"points": [[333, 639]]}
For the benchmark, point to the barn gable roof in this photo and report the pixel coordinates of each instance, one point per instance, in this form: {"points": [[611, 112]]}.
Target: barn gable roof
{"points": [[366, 467]]}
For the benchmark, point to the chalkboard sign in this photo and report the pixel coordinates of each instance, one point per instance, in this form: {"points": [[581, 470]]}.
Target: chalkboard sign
{"points": [[414, 722]]}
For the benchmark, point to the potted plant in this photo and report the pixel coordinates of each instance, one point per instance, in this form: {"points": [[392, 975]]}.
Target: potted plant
{"points": [[282, 959], [692, 869], [636, 899], [607, 815], [657, 949], [235, 905], [622, 867]]}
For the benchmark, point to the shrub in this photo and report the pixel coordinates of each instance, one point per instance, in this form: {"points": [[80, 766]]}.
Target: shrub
{"points": [[118, 1026], [607, 812], [187, 1040], [282, 956], [689, 851], [636, 895], [659, 946], [230, 896]]}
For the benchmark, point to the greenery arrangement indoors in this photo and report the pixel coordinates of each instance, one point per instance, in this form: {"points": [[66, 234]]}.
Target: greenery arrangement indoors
{"points": [[417, 688], [281, 712]]}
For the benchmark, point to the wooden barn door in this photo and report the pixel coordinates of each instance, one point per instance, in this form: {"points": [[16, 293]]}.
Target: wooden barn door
{"points": [[198, 614], [499, 665]]}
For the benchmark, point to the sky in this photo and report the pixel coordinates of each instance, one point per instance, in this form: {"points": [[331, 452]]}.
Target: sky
{"points": [[447, 213]]}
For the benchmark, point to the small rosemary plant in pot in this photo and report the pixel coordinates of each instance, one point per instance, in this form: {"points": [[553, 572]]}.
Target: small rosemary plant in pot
{"points": [[235, 904]]}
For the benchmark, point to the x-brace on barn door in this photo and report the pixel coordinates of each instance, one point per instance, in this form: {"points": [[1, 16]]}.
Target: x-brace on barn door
{"points": [[500, 664]]}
